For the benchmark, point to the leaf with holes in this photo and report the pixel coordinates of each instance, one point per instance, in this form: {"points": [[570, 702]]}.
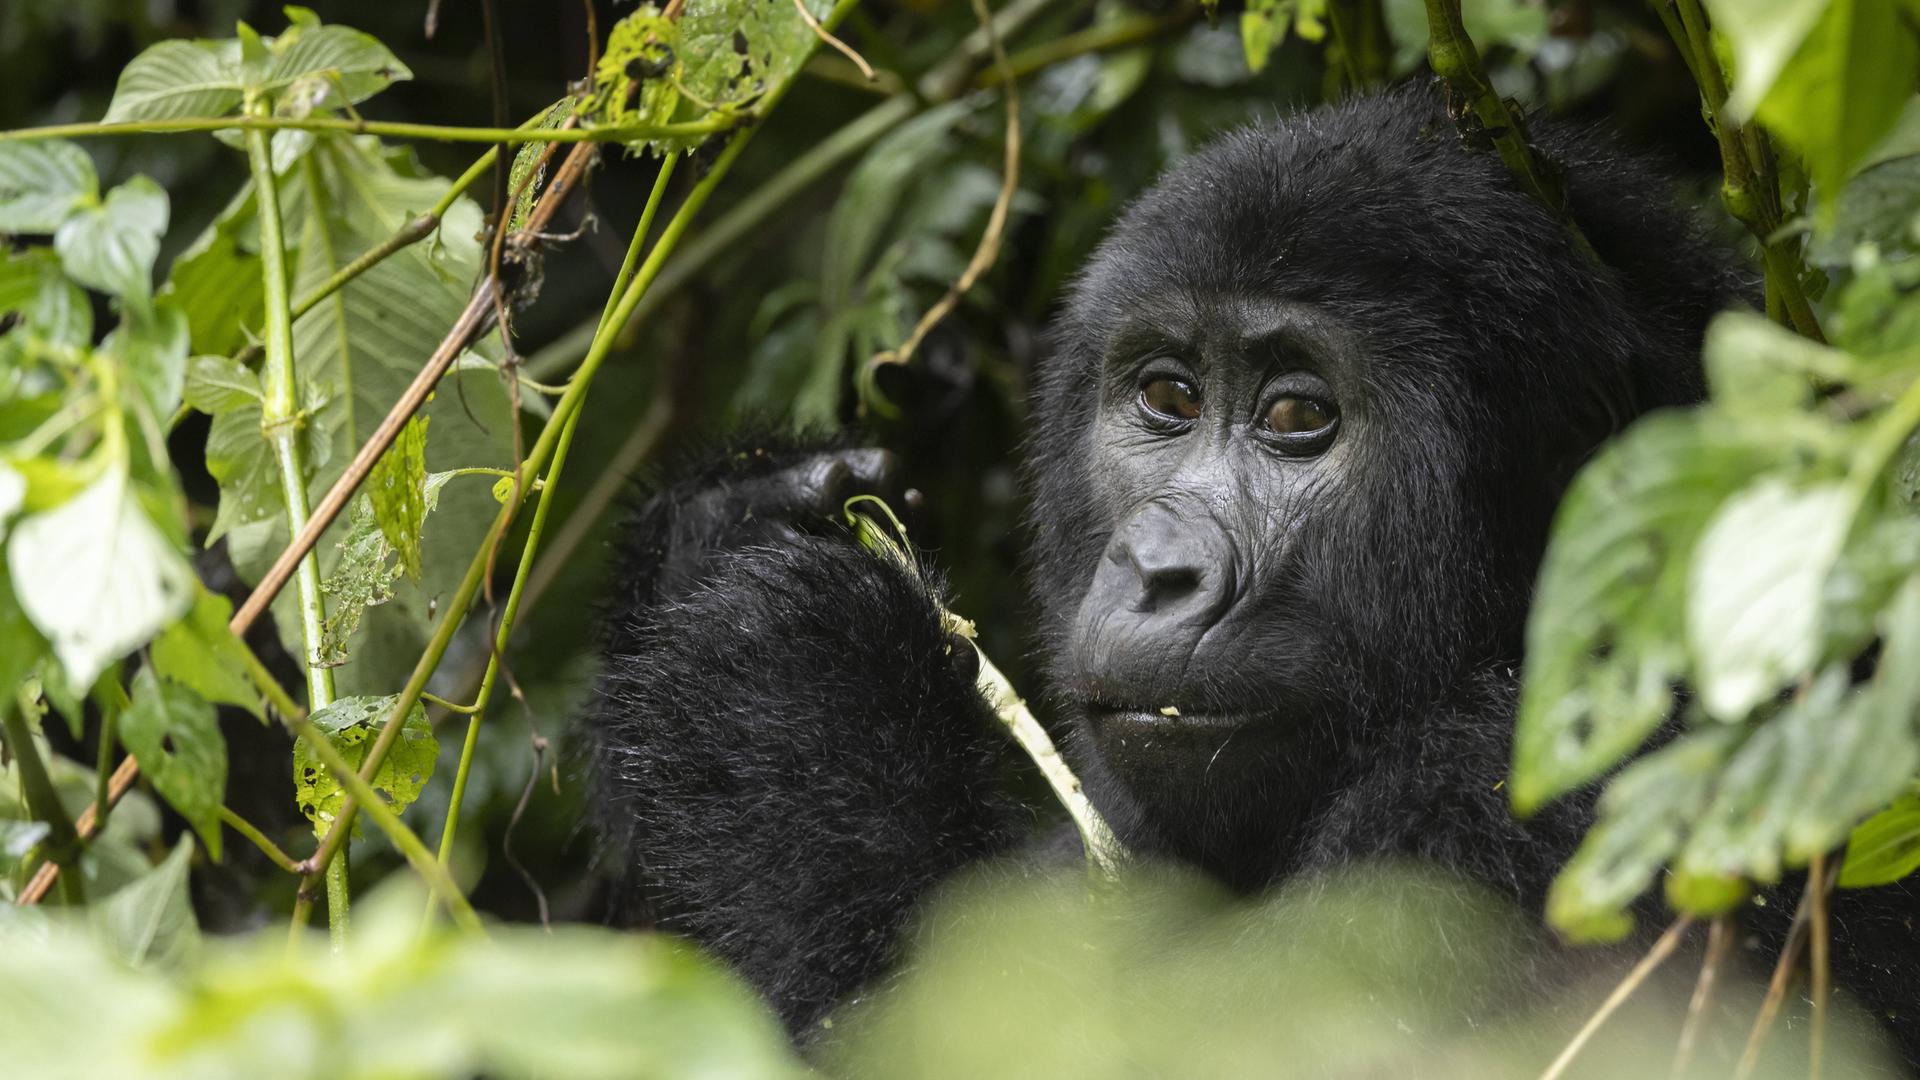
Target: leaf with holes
{"points": [[351, 724], [1603, 642], [175, 736]]}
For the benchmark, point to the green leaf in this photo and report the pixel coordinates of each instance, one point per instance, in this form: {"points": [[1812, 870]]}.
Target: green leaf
{"points": [[351, 724], [199, 652], [362, 578], [1263, 26], [216, 282], [150, 923], [216, 384], [21, 646], [43, 182], [1831, 101], [1604, 645], [151, 344], [1885, 848], [329, 65], [398, 488], [1764, 36], [1757, 367], [111, 247], [1642, 822], [176, 79], [175, 736], [51, 308], [97, 577], [1753, 596]]}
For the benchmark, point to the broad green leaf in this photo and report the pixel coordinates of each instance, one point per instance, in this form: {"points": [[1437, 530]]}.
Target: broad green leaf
{"points": [[1642, 822], [201, 653], [1603, 654], [1764, 35], [1263, 26], [97, 577], [111, 247], [397, 487], [318, 64], [151, 345], [175, 736], [216, 282], [1880, 205], [43, 182], [176, 79], [216, 384], [21, 646], [1758, 367], [150, 923], [1885, 848], [1832, 101], [1754, 592], [351, 723]]}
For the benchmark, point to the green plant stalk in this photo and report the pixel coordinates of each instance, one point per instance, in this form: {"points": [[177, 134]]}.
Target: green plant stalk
{"points": [[252, 832], [1099, 38], [531, 548], [1457, 62], [405, 237], [43, 799], [1749, 185], [389, 129], [768, 199], [462, 598], [111, 699], [389, 823], [280, 419]]}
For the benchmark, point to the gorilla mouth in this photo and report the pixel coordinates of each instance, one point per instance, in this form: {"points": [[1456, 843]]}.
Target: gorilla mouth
{"points": [[1168, 718]]}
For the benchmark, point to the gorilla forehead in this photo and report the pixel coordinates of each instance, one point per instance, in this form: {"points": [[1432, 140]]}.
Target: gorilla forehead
{"points": [[1374, 210]]}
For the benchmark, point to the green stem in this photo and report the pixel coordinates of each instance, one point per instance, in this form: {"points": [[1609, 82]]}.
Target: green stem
{"points": [[1457, 62], [1098, 38], [435, 132], [406, 236], [361, 793], [111, 699], [252, 832], [280, 419], [534, 530], [36, 784]]}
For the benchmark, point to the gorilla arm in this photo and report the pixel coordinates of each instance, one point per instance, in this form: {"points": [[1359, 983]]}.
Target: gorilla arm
{"points": [[790, 749]]}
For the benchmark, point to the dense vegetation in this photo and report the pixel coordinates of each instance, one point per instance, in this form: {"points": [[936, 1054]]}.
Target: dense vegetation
{"points": [[291, 377]]}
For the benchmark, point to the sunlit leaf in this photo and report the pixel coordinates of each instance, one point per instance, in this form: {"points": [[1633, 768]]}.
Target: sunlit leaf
{"points": [[1885, 848], [97, 577], [397, 487]]}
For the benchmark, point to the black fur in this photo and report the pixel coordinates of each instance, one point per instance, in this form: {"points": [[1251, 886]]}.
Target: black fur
{"points": [[790, 750]]}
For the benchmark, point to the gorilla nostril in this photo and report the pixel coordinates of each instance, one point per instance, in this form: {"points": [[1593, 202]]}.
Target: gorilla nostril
{"points": [[1171, 583]]}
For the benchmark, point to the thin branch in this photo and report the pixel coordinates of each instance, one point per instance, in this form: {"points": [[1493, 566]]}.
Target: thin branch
{"points": [[1662, 949], [839, 46], [1719, 943], [1819, 881], [435, 132], [267, 847], [1101, 37], [989, 247]]}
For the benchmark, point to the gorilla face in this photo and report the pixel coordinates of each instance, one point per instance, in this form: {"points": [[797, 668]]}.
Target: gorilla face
{"points": [[1306, 417], [1225, 425]]}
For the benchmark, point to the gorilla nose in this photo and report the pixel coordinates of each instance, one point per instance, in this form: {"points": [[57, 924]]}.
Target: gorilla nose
{"points": [[1167, 577]]}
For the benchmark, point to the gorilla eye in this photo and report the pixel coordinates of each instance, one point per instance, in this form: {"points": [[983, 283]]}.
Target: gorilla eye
{"points": [[1171, 399], [1298, 416]]}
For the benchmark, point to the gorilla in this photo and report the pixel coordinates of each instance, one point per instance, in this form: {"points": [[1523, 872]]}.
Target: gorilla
{"points": [[1304, 422]]}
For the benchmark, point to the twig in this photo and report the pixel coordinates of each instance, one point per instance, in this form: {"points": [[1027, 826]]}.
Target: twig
{"points": [[1118, 34], [1822, 964], [839, 46], [1105, 853], [1662, 949], [989, 246], [1782, 973], [1719, 942]]}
